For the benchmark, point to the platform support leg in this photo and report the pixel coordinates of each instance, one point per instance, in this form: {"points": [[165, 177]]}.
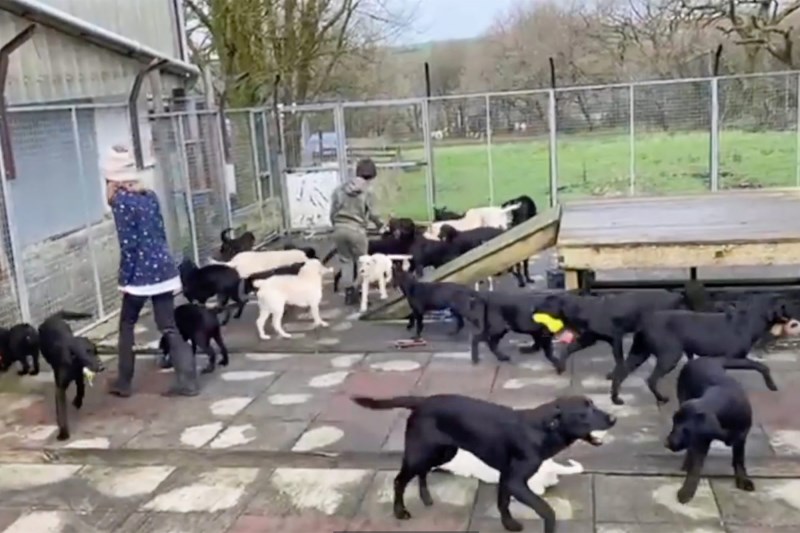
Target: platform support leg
{"points": [[693, 273], [572, 280]]}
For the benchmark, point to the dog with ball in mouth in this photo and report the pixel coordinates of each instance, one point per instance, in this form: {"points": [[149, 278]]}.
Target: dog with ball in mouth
{"points": [[515, 442]]}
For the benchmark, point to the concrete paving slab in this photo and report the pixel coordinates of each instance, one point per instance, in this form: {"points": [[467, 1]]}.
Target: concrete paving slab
{"points": [[302, 405], [351, 436], [62, 521], [775, 503], [42, 486], [177, 523], [381, 384], [656, 528], [289, 524], [487, 525], [310, 492], [471, 380], [453, 498], [248, 432], [571, 499], [652, 500]]}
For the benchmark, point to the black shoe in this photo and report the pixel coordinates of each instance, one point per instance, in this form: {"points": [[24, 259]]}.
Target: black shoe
{"points": [[123, 391], [164, 362], [180, 391], [351, 296]]}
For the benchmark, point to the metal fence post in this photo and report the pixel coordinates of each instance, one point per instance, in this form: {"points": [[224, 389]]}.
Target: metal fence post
{"points": [[714, 135], [87, 223], [16, 253], [489, 161], [256, 166], [268, 152], [219, 118], [552, 116], [426, 142], [632, 132], [797, 135], [187, 188], [341, 142]]}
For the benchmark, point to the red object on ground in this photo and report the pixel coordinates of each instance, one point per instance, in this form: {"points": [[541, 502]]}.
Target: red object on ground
{"points": [[409, 343], [566, 336]]}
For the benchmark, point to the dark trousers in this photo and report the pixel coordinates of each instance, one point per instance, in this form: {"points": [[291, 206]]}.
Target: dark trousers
{"points": [[164, 313]]}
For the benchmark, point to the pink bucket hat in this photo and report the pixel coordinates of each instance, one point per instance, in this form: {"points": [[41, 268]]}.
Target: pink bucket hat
{"points": [[120, 165]]}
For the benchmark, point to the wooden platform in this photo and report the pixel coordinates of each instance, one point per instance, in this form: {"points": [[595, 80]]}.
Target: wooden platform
{"points": [[737, 228]]}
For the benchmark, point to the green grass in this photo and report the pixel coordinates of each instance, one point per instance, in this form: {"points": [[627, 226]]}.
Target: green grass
{"points": [[593, 165]]}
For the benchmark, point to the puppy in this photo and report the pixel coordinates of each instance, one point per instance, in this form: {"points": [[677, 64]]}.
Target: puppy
{"points": [[230, 247], [200, 284], [301, 290], [669, 334], [17, 345], [465, 464], [71, 359], [198, 325], [376, 269], [713, 406], [513, 442], [431, 296]]}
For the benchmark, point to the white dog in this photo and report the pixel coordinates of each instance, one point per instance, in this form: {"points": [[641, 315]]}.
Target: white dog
{"points": [[477, 217], [250, 262], [465, 464], [302, 290], [377, 268]]}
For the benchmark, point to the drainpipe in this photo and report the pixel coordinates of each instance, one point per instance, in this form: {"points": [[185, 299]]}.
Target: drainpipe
{"points": [[133, 109], [5, 53]]}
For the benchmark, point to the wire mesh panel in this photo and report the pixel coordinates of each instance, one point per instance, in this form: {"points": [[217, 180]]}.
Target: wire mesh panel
{"points": [[58, 209], [172, 179], [11, 295], [758, 132], [461, 166], [393, 137], [244, 185], [520, 160], [593, 142], [672, 124]]}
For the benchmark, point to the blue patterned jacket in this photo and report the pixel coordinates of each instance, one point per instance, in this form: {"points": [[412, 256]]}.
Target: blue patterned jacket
{"points": [[145, 258]]}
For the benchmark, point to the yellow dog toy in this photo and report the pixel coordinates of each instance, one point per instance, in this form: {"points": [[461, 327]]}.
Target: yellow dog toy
{"points": [[553, 324]]}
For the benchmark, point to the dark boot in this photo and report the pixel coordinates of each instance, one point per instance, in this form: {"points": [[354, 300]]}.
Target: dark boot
{"points": [[351, 296], [183, 361]]}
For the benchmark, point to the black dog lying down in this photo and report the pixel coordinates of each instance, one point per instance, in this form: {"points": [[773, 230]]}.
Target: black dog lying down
{"points": [[515, 442], [713, 406], [497, 313], [69, 356], [670, 334], [231, 247], [431, 296], [198, 325], [17, 344], [606, 318]]}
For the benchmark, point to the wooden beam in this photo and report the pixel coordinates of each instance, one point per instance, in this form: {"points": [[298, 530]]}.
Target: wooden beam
{"points": [[599, 257], [497, 255]]}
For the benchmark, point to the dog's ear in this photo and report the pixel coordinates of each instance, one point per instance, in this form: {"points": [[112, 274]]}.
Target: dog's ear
{"points": [[555, 422], [708, 425]]}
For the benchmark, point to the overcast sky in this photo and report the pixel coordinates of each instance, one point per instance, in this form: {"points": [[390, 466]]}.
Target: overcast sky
{"points": [[454, 19]]}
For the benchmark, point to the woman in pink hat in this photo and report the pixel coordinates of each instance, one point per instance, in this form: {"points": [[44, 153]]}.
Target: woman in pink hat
{"points": [[147, 271]]}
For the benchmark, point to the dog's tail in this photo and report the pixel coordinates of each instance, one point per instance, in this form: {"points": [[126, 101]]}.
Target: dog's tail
{"points": [[329, 256], [381, 404], [224, 235], [574, 467], [70, 315]]}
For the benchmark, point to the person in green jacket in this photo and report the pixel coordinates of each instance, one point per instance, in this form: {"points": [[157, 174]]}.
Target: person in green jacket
{"points": [[352, 207]]}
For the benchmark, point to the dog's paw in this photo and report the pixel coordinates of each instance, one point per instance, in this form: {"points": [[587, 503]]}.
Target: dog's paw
{"points": [[323, 324], [662, 401], [616, 400], [286, 336], [402, 514], [22, 372], [685, 495], [772, 386], [224, 362], [264, 337], [511, 524], [745, 484], [610, 376], [63, 435], [77, 403], [33, 373], [208, 370]]}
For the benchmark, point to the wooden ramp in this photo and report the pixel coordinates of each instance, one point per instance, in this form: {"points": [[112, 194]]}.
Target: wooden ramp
{"points": [[494, 256]]}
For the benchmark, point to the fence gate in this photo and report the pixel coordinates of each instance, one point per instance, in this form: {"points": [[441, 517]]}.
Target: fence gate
{"points": [[316, 162]]}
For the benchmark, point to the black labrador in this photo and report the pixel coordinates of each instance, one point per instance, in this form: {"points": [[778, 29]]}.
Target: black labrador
{"points": [[668, 335], [222, 281], [713, 406], [526, 211], [69, 357], [230, 247], [18, 344], [198, 326], [515, 442], [606, 318], [503, 312], [430, 296]]}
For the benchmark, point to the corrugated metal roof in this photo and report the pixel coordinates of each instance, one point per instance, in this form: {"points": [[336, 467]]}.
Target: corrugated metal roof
{"points": [[150, 22], [53, 66]]}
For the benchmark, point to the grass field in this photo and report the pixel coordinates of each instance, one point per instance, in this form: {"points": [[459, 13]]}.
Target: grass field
{"points": [[589, 166]]}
